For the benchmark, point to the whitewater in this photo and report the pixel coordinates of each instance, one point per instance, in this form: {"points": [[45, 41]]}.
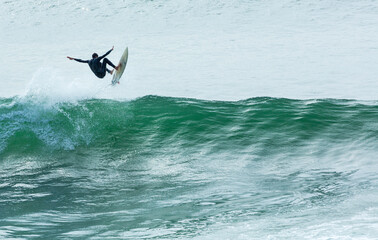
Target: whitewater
{"points": [[233, 120]]}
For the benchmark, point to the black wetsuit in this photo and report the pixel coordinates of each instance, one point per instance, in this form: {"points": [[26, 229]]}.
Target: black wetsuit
{"points": [[98, 68]]}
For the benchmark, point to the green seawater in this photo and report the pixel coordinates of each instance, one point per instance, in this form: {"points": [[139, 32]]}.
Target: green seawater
{"points": [[165, 168]]}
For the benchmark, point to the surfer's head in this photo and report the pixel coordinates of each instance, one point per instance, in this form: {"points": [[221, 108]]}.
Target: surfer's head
{"points": [[94, 55]]}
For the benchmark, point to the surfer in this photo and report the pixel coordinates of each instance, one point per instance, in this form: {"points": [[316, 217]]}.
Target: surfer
{"points": [[98, 67]]}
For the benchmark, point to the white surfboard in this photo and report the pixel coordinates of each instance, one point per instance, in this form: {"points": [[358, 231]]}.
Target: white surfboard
{"points": [[123, 61]]}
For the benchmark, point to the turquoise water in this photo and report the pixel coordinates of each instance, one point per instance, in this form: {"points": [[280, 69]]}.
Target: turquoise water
{"points": [[233, 120]]}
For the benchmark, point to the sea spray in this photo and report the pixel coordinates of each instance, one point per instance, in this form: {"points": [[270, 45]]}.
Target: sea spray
{"points": [[50, 86]]}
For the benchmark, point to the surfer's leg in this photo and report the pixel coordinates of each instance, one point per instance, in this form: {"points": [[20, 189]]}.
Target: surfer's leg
{"points": [[107, 61], [104, 69], [115, 67], [111, 64]]}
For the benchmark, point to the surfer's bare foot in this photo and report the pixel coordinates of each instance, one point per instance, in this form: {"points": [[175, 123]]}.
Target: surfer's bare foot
{"points": [[116, 68], [111, 72]]}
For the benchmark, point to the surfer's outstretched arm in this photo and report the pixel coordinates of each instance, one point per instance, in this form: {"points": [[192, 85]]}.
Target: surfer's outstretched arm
{"points": [[78, 60], [106, 54]]}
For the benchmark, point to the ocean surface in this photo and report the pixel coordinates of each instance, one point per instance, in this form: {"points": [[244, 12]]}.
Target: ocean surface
{"points": [[233, 120]]}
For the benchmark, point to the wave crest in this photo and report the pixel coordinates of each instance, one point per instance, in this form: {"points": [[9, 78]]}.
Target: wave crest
{"points": [[254, 125]]}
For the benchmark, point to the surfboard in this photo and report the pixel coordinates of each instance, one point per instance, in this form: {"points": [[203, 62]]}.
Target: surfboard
{"points": [[118, 73]]}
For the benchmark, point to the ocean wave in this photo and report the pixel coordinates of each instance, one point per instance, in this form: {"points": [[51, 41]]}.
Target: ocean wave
{"points": [[258, 124]]}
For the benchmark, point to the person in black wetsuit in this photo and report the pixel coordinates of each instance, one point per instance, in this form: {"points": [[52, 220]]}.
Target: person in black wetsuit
{"points": [[98, 67]]}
